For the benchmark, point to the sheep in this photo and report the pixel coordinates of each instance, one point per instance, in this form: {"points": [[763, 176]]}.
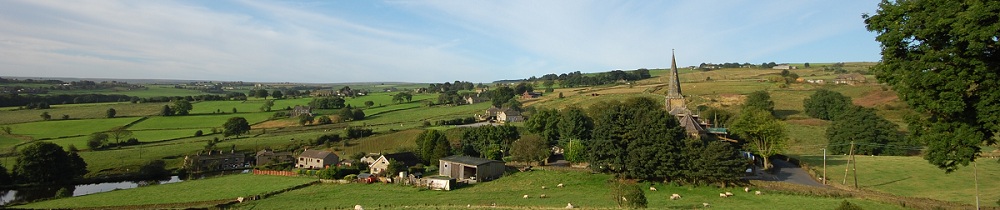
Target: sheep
{"points": [[526, 196], [729, 194], [560, 185], [239, 199], [675, 196], [746, 189], [705, 205], [542, 196], [723, 195], [543, 187], [358, 207], [569, 205], [758, 193], [652, 188]]}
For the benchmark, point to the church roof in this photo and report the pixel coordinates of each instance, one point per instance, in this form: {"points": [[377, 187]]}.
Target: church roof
{"points": [[674, 86], [690, 124]]}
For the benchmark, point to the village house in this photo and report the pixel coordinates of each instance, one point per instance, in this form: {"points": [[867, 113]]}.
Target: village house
{"points": [[380, 165], [269, 157], [784, 66], [215, 161], [321, 93], [850, 79], [474, 99], [471, 169], [316, 159], [504, 115], [301, 110]]}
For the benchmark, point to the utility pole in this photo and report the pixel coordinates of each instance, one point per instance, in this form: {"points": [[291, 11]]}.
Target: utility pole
{"points": [[855, 166], [848, 168], [975, 175], [824, 166]]}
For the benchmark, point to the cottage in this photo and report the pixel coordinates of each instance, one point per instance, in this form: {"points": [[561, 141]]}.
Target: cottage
{"points": [[530, 95], [501, 115], [316, 159], [471, 169], [301, 110], [321, 93], [474, 99], [850, 79], [407, 159], [215, 161], [784, 66], [269, 157]]}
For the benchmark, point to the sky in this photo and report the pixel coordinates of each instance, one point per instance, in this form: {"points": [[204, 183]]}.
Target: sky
{"points": [[416, 41]]}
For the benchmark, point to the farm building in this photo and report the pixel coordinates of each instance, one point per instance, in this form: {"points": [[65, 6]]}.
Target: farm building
{"points": [[316, 159], [301, 110], [501, 115], [530, 95], [381, 164], [269, 157], [471, 169], [474, 99], [215, 161], [850, 79]]}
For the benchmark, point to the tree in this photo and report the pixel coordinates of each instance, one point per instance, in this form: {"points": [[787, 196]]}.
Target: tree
{"points": [[5, 178], [844, 205], [266, 107], [763, 134], [234, 110], [942, 58], [323, 120], [806, 65], [760, 100], [111, 113], [236, 126], [181, 107], [97, 140], [358, 114], [574, 124], [574, 151], [45, 162], [369, 104], [45, 116], [166, 111], [262, 93], [346, 114], [627, 194], [825, 104], [714, 162], [872, 134], [119, 133], [544, 122], [432, 145], [252, 93], [500, 96], [637, 139], [401, 97], [531, 149], [305, 119], [7, 130], [277, 94], [491, 142]]}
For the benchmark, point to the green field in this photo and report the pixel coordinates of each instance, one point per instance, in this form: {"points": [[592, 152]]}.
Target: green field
{"points": [[64, 128], [196, 121], [914, 177], [153, 90], [81, 111], [583, 190], [211, 189]]}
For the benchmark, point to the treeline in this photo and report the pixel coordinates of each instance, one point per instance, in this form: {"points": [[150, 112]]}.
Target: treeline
{"points": [[448, 86], [576, 79], [43, 101], [870, 133]]}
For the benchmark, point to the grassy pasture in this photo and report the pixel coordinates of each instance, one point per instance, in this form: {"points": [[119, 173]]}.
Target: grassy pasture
{"points": [[196, 121], [62, 128], [81, 111], [154, 90], [913, 177], [389, 143], [210, 189], [582, 190]]}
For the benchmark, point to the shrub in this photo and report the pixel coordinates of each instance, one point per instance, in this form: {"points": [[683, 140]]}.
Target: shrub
{"points": [[844, 205], [199, 133], [627, 194]]}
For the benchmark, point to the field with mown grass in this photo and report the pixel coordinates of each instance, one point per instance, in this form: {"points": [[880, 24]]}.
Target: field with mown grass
{"points": [[81, 111], [152, 91], [913, 177], [65, 128], [209, 189], [197, 121], [582, 189]]}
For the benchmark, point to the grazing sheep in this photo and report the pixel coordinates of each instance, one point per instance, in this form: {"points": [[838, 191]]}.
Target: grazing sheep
{"points": [[705, 205], [526, 196], [542, 196], [239, 199], [746, 189], [560, 185], [358, 207], [758, 193], [652, 188], [569, 205], [624, 199], [543, 187], [675, 196], [729, 194], [723, 195]]}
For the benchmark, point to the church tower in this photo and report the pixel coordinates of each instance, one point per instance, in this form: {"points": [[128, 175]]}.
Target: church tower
{"points": [[675, 103]]}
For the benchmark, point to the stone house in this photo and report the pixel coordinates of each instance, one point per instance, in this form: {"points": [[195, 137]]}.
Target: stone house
{"points": [[850, 79], [316, 159], [215, 161], [380, 165], [268, 157]]}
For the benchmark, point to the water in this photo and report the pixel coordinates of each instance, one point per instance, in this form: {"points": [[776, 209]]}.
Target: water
{"points": [[41, 192]]}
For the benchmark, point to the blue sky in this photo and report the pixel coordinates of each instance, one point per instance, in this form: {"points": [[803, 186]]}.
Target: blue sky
{"points": [[415, 41]]}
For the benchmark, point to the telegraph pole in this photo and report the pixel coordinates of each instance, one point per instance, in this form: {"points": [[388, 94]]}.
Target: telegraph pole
{"points": [[824, 166], [975, 175], [855, 167], [848, 168]]}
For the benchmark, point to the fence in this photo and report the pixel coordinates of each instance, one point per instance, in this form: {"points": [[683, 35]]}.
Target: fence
{"points": [[274, 173]]}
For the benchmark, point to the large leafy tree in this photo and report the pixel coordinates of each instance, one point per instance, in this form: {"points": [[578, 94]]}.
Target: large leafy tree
{"points": [[826, 104], [636, 138], [759, 100], [236, 126], [119, 133], [943, 58], [432, 145], [764, 135], [491, 142], [545, 123], [575, 124], [501, 95], [181, 107], [531, 149], [45, 162], [872, 134]]}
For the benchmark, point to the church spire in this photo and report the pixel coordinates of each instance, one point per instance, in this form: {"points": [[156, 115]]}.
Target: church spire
{"points": [[674, 88]]}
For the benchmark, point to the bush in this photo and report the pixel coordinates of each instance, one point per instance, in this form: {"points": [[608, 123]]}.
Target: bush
{"points": [[844, 205], [627, 194], [323, 120], [198, 133]]}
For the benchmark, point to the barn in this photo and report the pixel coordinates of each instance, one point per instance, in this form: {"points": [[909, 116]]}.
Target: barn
{"points": [[471, 169]]}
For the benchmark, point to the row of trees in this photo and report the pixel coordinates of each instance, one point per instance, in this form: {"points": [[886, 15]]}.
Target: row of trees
{"points": [[576, 79], [873, 134]]}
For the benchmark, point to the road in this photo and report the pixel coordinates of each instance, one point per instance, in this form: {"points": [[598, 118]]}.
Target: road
{"points": [[788, 172]]}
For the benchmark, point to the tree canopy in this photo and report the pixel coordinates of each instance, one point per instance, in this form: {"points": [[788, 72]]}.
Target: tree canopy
{"points": [[236, 126], [759, 100], [872, 134], [943, 59], [764, 135], [826, 104], [45, 162]]}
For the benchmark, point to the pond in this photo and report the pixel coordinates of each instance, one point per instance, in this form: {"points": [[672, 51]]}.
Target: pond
{"points": [[29, 194]]}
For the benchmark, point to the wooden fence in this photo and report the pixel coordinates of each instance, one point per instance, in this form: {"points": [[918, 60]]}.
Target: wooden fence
{"points": [[274, 173]]}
